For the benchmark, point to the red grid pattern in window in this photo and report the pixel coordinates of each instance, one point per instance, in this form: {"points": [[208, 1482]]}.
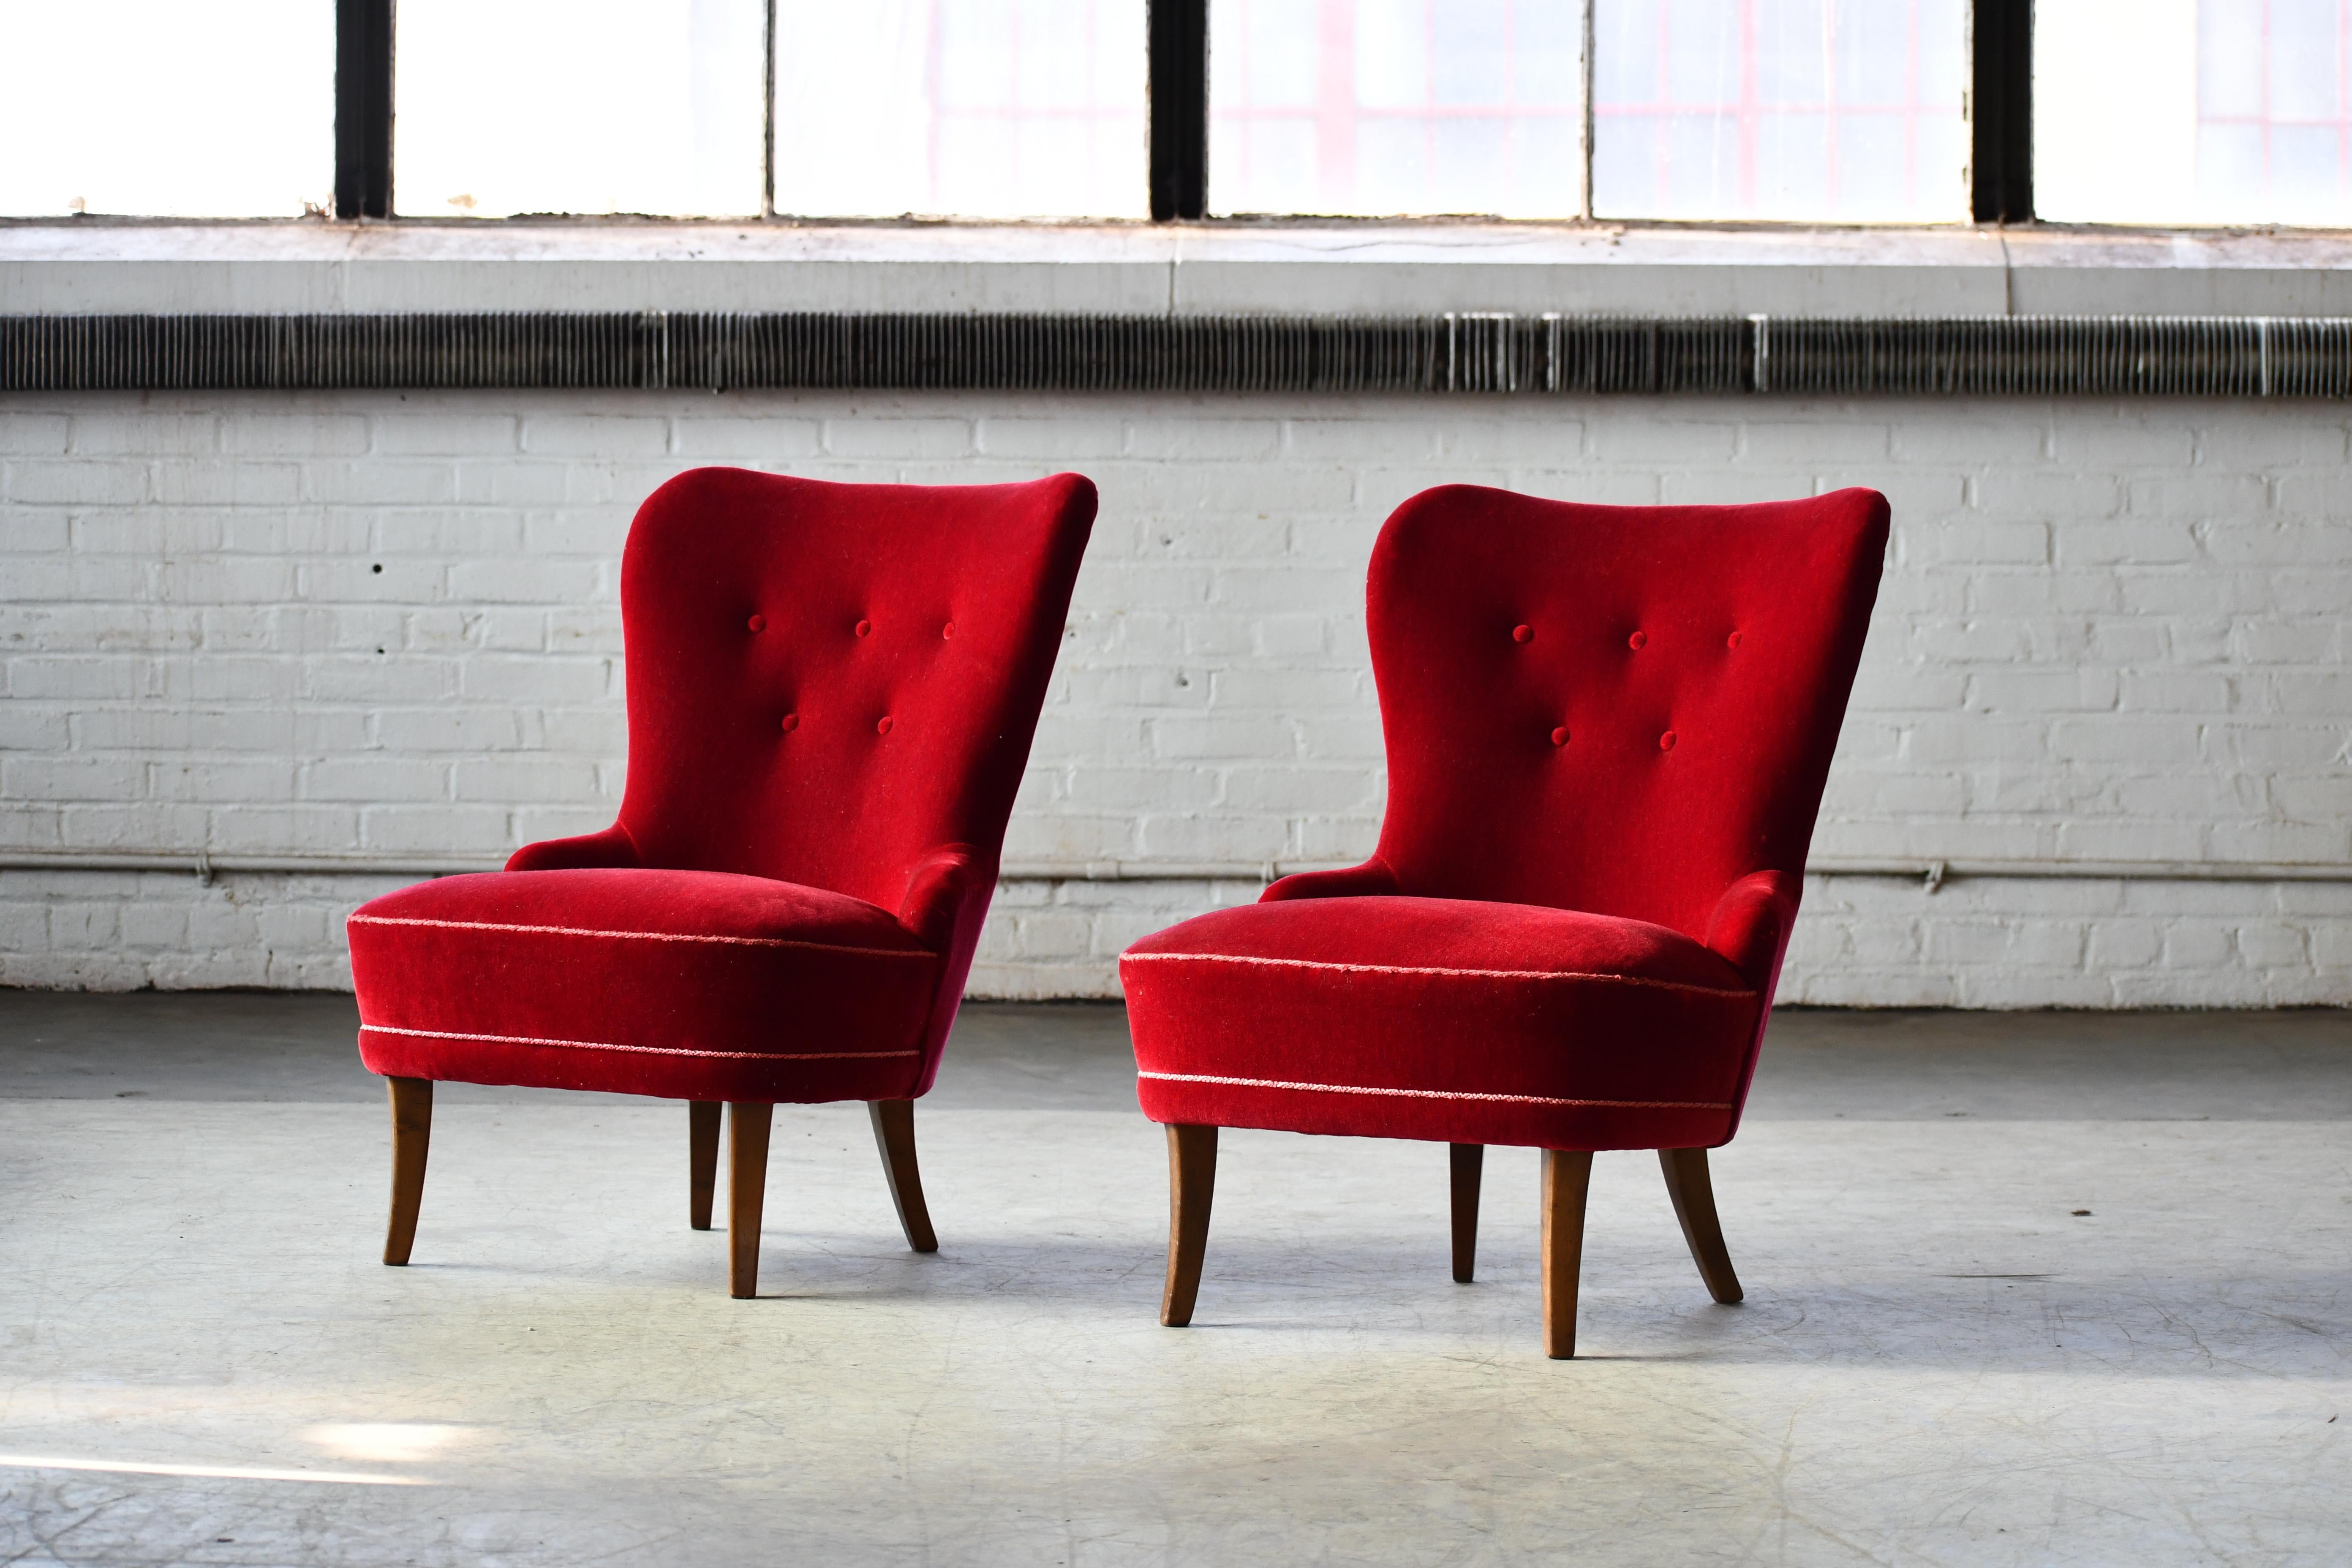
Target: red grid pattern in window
{"points": [[2239, 90], [1748, 108], [1337, 111], [959, 87]]}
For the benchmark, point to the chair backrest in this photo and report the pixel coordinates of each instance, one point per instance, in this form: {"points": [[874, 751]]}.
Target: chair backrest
{"points": [[1623, 710], [827, 681]]}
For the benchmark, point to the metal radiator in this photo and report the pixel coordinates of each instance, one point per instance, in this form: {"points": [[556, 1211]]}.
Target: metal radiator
{"points": [[1469, 351]]}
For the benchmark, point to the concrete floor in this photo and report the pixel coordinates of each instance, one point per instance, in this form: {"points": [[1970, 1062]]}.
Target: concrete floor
{"points": [[1938, 1360]]}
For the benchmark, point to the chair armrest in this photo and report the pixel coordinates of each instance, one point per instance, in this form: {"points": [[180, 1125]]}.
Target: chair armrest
{"points": [[938, 887], [1751, 921], [1371, 879], [590, 851]]}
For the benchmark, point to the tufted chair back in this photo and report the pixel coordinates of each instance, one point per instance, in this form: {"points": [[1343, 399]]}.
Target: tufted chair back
{"points": [[828, 683], [1620, 709]]}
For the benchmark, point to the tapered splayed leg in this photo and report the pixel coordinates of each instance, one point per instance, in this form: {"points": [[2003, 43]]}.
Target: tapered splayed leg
{"points": [[747, 1189], [1191, 1182], [1468, 1161], [1567, 1173], [702, 1160], [412, 1135], [894, 1136], [1693, 1190]]}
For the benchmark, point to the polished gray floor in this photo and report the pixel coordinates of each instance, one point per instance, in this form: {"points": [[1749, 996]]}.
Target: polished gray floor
{"points": [[1939, 1360]]}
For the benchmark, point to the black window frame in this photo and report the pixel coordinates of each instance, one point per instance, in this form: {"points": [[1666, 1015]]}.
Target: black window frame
{"points": [[2000, 110]]}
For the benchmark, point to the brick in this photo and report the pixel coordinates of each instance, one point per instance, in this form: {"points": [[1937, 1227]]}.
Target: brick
{"points": [[215, 781], [313, 436], [375, 777], [2108, 629], [33, 435], [95, 482], [749, 441], [599, 435], [909, 440], [1660, 437], [229, 483], [1944, 437], [1321, 440], [1059, 440], [535, 484], [380, 482], [1202, 439], [2136, 542], [2047, 496], [1180, 738], [525, 780], [444, 435]]}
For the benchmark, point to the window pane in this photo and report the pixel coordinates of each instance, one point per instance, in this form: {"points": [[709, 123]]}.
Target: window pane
{"points": [[580, 106], [2193, 111], [1839, 111], [995, 108], [1378, 107], [166, 109]]}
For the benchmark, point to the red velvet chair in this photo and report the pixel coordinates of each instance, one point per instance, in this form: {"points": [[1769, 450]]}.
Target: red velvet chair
{"points": [[832, 691], [1608, 729]]}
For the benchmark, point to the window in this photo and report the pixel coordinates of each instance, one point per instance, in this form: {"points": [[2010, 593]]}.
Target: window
{"points": [[1837, 110], [992, 109], [579, 106], [1397, 106], [1849, 111], [214, 111], [2193, 111]]}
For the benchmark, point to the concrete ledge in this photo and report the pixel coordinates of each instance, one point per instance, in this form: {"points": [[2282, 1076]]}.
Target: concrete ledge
{"points": [[90, 266]]}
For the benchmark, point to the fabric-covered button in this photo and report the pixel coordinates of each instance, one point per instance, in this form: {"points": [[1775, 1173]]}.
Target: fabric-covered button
{"points": [[882, 725], [758, 623], [1560, 736], [1523, 634], [1731, 641], [1638, 641], [792, 722], [946, 631], [1666, 741], [865, 628]]}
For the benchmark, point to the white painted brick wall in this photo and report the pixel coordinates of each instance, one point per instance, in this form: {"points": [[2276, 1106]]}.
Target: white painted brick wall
{"points": [[385, 624]]}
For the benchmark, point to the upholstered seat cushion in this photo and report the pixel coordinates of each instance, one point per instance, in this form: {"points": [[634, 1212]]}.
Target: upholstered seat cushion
{"points": [[690, 984], [1440, 1018]]}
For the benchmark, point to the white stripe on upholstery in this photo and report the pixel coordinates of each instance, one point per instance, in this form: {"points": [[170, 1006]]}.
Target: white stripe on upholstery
{"points": [[644, 935], [656, 1051], [1430, 969], [1438, 1093]]}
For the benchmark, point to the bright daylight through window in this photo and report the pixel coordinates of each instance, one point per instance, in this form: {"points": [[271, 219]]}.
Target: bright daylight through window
{"points": [[1396, 106], [2144, 111], [992, 109], [2193, 111], [580, 106], [1844, 110], [162, 109]]}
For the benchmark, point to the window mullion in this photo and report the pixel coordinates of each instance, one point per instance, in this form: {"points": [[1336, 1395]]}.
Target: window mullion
{"points": [[768, 115], [1178, 34], [363, 109], [2000, 112]]}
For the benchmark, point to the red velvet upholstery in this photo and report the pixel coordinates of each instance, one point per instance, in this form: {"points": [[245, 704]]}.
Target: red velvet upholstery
{"points": [[832, 691], [1608, 729]]}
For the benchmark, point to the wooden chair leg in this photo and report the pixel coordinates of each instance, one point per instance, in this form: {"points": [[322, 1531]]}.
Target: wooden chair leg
{"points": [[1567, 1173], [702, 1160], [1191, 1182], [1693, 1190], [1468, 1161], [412, 1135], [894, 1136], [747, 1188]]}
